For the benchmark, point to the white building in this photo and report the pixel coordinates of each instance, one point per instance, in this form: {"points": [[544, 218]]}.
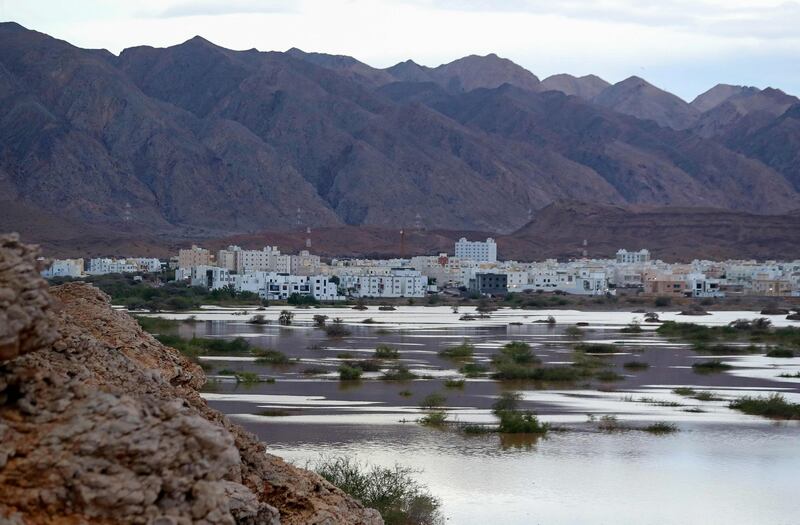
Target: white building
{"points": [[476, 250], [400, 282], [573, 281], [268, 285], [147, 264], [64, 268], [626, 257], [103, 266]]}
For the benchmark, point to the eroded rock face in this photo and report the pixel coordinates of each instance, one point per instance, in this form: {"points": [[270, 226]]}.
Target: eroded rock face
{"points": [[26, 310], [100, 423]]}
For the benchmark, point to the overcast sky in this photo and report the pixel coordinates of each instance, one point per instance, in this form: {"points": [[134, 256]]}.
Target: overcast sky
{"points": [[684, 46]]}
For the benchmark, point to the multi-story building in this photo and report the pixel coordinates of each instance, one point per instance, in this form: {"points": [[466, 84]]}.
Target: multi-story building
{"points": [[626, 257], [489, 283], [304, 263], [195, 256], [147, 264], [399, 282], [575, 281], [480, 251], [103, 266], [64, 268]]}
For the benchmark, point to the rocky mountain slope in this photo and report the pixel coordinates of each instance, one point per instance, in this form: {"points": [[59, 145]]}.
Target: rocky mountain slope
{"points": [[100, 423], [672, 234], [196, 140]]}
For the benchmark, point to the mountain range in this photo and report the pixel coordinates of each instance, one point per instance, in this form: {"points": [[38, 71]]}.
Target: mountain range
{"points": [[198, 141]]}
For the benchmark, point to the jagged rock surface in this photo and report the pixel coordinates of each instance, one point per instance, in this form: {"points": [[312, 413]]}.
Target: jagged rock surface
{"points": [[100, 423], [26, 310]]}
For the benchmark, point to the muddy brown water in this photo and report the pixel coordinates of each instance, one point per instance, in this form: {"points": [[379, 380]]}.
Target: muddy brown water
{"points": [[720, 467]]}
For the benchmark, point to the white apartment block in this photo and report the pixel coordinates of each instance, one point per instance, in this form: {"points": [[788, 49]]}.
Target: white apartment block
{"points": [[400, 282], [268, 285], [147, 264], [570, 281], [64, 268], [103, 266], [626, 257], [476, 250]]}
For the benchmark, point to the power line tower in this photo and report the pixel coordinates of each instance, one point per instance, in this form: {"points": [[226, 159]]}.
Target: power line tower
{"points": [[402, 244]]}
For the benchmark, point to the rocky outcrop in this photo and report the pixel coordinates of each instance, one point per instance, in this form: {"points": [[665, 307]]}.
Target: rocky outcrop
{"points": [[26, 310], [100, 423]]}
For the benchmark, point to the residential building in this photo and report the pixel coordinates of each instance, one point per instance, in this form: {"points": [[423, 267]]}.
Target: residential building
{"points": [[104, 266], [479, 251], [399, 282], [489, 284], [626, 257], [64, 268], [195, 256]]}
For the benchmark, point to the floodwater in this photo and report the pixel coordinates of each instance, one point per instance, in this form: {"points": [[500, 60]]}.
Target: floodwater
{"points": [[720, 467]]}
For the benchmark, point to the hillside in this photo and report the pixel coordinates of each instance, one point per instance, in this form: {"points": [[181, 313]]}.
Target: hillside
{"points": [[198, 141], [671, 234]]}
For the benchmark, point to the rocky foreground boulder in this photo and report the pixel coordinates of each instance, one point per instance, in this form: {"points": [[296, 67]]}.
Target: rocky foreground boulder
{"points": [[100, 423]]}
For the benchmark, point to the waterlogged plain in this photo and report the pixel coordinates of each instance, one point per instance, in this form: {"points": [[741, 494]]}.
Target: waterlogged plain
{"points": [[699, 457]]}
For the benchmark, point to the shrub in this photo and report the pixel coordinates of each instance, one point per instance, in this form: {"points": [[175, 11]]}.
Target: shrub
{"points": [[608, 376], [554, 373], [272, 357], [610, 423], [573, 332], [297, 299], [155, 324], [473, 370], [462, 351], [434, 400], [285, 318], [247, 378], [661, 428], [405, 393], [780, 352], [632, 328], [319, 320], [314, 370], [773, 406], [436, 418], [336, 329], [386, 352], [349, 373], [367, 365], [596, 348], [684, 391], [715, 365], [454, 383], [393, 492], [516, 352], [507, 401], [258, 319], [636, 365], [226, 372], [514, 422], [399, 373], [663, 301]]}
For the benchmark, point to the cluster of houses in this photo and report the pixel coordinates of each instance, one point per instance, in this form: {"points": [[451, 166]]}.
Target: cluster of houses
{"points": [[473, 269]]}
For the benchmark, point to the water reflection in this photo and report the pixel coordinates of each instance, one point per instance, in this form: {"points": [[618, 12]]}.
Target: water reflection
{"points": [[722, 467]]}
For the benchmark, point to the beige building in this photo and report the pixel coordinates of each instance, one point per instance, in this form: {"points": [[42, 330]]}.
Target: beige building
{"points": [[195, 256]]}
